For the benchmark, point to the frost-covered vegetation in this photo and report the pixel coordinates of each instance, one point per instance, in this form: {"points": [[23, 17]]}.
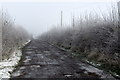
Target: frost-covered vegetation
{"points": [[7, 66], [12, 36], [93, 38]]}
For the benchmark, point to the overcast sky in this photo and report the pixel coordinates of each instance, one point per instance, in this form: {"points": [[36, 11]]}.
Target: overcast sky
{"points": [[38, 16]]}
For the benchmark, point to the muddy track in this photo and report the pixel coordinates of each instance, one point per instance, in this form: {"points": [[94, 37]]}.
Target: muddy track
{"points": [[42, 60]]}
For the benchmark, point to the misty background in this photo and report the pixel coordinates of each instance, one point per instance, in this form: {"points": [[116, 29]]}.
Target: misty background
{"points": [[39, 17]]}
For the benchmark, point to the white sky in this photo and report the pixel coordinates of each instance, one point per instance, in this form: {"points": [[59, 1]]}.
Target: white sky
{"points": [[38, 16], [58, 0]]}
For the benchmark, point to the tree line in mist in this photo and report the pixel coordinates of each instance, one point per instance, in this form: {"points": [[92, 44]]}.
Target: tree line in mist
{"points": [[12, 36], [94, 38]]}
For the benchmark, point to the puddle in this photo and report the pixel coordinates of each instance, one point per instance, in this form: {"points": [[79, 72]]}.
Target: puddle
{"points": [[37, 66], [46, 51], [29, 49], [27, 60], [17, 73], [68, 75], [30, 52], [27, 57], [22, 67]]}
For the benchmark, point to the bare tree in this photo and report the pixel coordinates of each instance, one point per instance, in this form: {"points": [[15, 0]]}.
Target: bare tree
{"points": [[12, 36]]}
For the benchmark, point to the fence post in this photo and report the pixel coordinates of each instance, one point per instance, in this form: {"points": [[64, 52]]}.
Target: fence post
{"points": [[1, 36], [118, 5]]}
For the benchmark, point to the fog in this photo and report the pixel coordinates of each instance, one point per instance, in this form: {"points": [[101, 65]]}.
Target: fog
{"points": [[39, 17]]}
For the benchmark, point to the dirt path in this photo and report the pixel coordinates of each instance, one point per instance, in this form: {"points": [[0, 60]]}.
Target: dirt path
{"points": [[42, 60]]}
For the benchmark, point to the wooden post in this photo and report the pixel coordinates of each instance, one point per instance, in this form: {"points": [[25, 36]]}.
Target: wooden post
{"points": [[61, 18], [118, 4], [73, 22], [1, 16]]}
